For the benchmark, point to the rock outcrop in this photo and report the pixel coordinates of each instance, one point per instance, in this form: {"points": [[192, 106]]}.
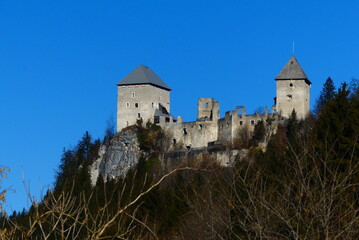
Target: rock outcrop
{"points": [[116, 159]]}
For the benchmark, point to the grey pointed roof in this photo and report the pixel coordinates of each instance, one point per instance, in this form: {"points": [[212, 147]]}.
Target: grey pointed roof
{"points": [[292, 70], [143, 75]]}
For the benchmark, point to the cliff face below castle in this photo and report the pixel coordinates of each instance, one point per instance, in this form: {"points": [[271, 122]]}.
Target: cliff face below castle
{"points": [[118, 157], [123, 153]]}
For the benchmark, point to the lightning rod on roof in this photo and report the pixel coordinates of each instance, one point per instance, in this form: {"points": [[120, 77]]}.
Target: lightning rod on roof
{"points": [[293, 48]]}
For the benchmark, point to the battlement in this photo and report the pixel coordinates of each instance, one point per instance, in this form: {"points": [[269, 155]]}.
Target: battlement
{"points": [[143, 95]]}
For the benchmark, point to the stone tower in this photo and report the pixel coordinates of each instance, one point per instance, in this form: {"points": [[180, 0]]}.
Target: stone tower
{"points": [[293, 90], [140, 94], [208, 109]]}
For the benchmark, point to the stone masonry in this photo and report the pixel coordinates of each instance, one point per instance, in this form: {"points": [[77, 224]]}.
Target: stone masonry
{"points": [[143, 95]]}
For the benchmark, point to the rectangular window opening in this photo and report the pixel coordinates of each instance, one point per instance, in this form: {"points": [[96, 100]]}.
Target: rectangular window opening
{"points": [[157, 119]]}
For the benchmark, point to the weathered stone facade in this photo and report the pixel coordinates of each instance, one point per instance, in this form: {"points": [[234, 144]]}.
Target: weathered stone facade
{"points": [[293, 90], [152, 97], [139, 102], [293, 94], [141, 95]]}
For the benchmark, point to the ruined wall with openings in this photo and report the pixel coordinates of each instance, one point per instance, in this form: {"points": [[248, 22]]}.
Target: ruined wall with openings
{"points": [[207, 109], [237, 120], [192, 134]]}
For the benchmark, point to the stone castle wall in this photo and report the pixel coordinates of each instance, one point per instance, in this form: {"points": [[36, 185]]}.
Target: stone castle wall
{"points": [[192, 134], [293, 94], [207, 131], [139, 101], [143, 102]]}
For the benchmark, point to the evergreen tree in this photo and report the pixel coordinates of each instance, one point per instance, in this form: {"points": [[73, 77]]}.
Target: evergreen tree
{"points": [[259, 132], [327, 94], [336, 129], [67, 168], [83, 149], [292, 127], [354, 88]]}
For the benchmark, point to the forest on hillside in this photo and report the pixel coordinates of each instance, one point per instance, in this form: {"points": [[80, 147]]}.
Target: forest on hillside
{"points": [[304, 185]]}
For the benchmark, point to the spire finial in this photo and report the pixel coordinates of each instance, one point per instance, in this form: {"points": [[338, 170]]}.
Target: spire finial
{"points": [[293, 48]]}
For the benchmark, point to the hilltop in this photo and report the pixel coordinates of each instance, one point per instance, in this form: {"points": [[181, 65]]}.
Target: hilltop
{"points": [[304, 185]]}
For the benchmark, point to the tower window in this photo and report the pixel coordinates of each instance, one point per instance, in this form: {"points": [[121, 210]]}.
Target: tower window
{"points": [[136, 105], [289, 96], [157, 119], [138, 115], [291, 85], [133, 95], [152, 105], [127, 105], [184, 131], [252, 122], [241, 123], [206, 105]]}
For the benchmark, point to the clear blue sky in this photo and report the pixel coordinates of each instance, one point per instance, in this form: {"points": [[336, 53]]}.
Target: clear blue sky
{"points": [[60, 62]]}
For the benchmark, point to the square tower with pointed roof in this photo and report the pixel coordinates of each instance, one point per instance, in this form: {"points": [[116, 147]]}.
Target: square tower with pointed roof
{"points": [[140, 95], [293, 90]]}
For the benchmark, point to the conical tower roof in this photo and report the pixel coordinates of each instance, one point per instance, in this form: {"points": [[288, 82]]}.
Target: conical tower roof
{"points": [[292, 71], [143, 75]]}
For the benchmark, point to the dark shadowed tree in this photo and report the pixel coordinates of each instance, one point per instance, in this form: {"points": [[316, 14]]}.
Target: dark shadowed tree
{"points": [[327, 94], [110, 129], [292, 127], [354, 87], [259, 132]]}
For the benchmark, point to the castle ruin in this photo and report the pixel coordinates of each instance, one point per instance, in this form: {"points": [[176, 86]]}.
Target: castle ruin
{"points": [[142, 95]]}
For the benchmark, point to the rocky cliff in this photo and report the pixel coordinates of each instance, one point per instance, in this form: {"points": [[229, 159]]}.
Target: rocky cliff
{"points": [[116, 158], [123, 153]]}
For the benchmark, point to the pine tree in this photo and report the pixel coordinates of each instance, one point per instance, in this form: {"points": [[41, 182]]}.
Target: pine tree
{"points": [[327, 94], [334, 127], [67, 168], [292, 127], [354, 88], [259, 132]]}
